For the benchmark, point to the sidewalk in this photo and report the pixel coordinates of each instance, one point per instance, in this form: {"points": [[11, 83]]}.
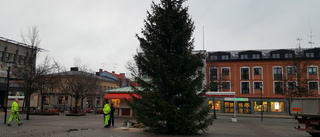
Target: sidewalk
{"points": [[256, 115]]}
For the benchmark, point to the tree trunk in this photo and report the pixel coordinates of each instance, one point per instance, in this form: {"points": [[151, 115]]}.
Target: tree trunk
{"points": [[27, 107], [76, 105]]}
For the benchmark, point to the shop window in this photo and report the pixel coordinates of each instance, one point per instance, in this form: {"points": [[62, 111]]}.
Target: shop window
{"points": [[116, 103], [277, 106], [258, 106], [216, 106], [244, 107], [228, 107]]}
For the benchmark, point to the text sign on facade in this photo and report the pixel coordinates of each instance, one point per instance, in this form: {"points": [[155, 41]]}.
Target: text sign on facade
{"points": [[236, 99]]}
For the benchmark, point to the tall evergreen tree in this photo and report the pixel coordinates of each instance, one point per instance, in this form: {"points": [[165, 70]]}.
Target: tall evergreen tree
{"points": [[169, 103]]}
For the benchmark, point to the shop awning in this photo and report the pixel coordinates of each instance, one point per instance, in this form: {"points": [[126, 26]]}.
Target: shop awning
{"points": [[119, 96]]}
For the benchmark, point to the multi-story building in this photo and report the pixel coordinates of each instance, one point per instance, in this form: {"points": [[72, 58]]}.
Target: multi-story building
{"points": [[12, 53], [265, 79], [60, 99]]}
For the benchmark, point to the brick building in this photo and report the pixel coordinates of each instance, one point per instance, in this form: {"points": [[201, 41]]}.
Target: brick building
{"points": [[273, 76]]}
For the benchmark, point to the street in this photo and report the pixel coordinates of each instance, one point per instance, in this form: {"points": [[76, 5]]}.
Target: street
{"points": [[92, 125]]}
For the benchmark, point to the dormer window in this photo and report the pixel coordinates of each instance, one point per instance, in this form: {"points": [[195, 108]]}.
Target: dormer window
{"points": [[255, 56], [288, 55], [225, 57], [276, 56], [243, 56], [310, 55]]}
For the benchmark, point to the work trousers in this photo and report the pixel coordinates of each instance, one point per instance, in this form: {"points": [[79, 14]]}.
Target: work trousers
{"points": [[106, 119], [14, 115]]}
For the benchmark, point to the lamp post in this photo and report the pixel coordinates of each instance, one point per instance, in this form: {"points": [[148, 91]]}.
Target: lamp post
{"points": [[9, 65], [261, 102]]}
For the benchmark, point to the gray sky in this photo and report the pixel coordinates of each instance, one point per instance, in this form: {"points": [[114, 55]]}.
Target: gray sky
{"points": [[101, 33]]}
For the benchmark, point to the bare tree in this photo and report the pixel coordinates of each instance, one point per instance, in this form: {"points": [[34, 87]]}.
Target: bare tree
{"points": [[296, 80], [27, 70], [133, 68], [47, 82], [78, 84]]}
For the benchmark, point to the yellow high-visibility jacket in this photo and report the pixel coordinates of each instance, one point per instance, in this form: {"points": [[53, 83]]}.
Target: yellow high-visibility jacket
{"points": [[14, 107], [106, 109]]}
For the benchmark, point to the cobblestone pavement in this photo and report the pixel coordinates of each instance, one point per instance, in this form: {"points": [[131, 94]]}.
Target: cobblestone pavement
{"points": [[92, 125]]}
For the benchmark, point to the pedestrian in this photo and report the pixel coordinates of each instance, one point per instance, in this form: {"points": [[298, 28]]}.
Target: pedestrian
{"points": [[14, 112], [106, 112], [111, 121]]}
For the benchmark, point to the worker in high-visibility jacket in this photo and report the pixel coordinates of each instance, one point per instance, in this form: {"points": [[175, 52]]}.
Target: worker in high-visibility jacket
{"points": [[106, 111], [14, 112]]}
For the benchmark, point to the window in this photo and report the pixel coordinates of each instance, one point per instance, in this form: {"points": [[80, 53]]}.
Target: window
{"points": [[225, 57], [258, 106], [257, 71], [213, 73], [255, 56], [291, 70], [292, 85], [213, 57], [46, 100], [313, 85], [278, 88], [243, 56], [225, 71], [63, 100], [245, 88], [276, 56], [257, 85], [288, 55], [310, 55], [277, 106], [244, 73], [277, 73], [116, 102], [214, 86], [216, 106], [312, 70], [225, 85], [1, 56]]}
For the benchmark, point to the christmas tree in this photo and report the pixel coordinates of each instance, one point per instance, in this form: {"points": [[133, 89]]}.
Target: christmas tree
{"points": [[168, 102]]}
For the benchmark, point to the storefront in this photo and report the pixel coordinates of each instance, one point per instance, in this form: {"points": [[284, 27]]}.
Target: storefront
{"points": [[252, 106], [119, 99]]}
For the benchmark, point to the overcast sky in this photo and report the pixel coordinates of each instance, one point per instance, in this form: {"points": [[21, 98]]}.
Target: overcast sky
{"points": [[101, 33]]}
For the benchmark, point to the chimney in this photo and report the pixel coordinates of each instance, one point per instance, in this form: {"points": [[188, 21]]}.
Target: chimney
{"points": [[113, 72], [74, 69]]}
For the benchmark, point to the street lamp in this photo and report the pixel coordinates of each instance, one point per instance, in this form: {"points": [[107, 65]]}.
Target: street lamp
{"points": [[9, 65], [261, 102]]}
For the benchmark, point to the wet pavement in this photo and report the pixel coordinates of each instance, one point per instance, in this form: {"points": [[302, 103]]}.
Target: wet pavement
{"points": [[92, 125]]}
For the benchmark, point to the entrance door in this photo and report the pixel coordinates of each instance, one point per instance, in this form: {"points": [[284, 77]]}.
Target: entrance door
{"points": [[244, 107], [228, 107]]}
